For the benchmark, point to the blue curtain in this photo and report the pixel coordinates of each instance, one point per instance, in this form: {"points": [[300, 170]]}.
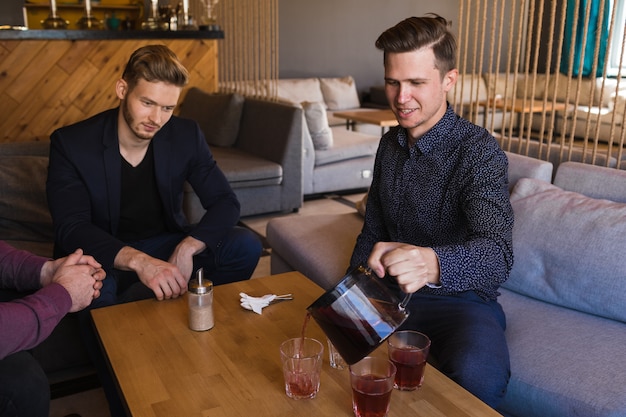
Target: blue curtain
{"points": [[584, 48]]}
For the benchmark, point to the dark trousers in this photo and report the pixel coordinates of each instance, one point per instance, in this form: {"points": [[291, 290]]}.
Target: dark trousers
{"points": [[24, 388], [467, 341], [234, 260]]}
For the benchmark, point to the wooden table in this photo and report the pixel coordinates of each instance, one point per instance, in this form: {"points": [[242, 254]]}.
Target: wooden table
{"points": [[522, 106], [382, 118], [165, 369]]}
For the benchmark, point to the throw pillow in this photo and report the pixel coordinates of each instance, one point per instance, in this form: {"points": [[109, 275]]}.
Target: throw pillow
{"points": [[568, 249], [297, 90], [317, 121], [340, 93], [217, 114]]}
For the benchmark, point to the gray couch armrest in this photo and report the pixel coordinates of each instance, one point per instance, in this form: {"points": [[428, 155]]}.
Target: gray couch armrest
{"points": [[308, 158], [273, 131]]}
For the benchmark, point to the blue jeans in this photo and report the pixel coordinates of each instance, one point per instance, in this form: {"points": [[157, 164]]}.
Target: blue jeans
{"points": [[467, 340], [24, 388], [236, 258]]}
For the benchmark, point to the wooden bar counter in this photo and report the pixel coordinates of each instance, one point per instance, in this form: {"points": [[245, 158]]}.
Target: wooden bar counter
{"points": [[51, 78]]}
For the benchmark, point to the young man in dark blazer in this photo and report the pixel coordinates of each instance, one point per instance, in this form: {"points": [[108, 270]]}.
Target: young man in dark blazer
{"points": [[115, 189]]}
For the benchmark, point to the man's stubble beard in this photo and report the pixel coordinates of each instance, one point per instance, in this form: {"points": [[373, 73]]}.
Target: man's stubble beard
{"points": [[128, 118]]}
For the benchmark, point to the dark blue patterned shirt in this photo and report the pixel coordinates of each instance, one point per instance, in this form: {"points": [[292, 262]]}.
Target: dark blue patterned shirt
{"points": [[449, 192]]}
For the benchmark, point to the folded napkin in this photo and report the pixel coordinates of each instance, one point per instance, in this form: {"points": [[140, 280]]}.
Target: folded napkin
{"points": [[257, 304]]}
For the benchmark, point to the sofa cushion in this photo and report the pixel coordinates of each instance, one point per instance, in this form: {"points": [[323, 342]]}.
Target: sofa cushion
{"points": [[555, 152], [468, 88], [347, 145], [297, 90], [563, 362], [317, 122], [617, 103], [568, 248], [501, 84], [584, 91], [340, 93], [217, 114], [521, 166], [243, 169], [24, 211], [592, 181]]}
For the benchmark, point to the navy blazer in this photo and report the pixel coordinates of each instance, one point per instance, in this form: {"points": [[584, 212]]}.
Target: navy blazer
{"points": [[84, 183]]}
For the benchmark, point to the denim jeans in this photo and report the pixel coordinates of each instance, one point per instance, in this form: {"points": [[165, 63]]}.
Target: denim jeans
{"points": [[235, 260], [24, 388], [467, 340]]}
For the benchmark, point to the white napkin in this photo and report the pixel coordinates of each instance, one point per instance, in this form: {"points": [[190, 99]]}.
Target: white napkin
{"points": [[257, 304]]}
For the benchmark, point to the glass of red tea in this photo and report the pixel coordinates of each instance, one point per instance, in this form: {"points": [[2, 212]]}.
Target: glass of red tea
{"points": [[301, 358], [408, 350], [372, 383]]}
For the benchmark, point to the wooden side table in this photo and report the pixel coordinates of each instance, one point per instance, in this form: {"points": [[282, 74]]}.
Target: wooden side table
{"points": [[383, 118]]}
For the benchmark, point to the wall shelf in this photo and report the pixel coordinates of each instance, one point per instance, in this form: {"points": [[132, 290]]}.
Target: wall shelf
{"points": [[60, 34], [72, 12], [94, 6]]}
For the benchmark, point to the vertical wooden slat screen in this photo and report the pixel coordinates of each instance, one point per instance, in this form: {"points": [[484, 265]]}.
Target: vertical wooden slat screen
{"points": [[509, 58], [248, 55]]}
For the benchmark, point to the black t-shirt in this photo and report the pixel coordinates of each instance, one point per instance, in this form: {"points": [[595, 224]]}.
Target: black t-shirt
{"points": [[141, 209]]}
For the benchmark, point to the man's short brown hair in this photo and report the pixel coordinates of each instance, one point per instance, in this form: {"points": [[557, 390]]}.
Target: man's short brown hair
{"points": [[155, 63], [415, 33]]}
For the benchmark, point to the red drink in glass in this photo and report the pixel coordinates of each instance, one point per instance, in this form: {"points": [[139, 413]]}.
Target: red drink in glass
{"points": [[301, 384], [372, 382], [410, 366], [370, 398], [302, 363], [408, 351]]}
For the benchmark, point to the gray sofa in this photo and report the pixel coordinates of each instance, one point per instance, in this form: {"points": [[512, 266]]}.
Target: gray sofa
{"points": [[565, 300], [599, 100], [334, 159], [258, 146]]}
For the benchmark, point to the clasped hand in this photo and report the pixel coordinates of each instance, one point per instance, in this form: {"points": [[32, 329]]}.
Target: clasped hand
{"points": [[81, 275], [412, 266]]}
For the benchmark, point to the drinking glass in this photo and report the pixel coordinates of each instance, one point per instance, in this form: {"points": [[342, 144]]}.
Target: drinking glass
{"points": [[372, 384], [335, 359], [302, 365], [408, 350]]}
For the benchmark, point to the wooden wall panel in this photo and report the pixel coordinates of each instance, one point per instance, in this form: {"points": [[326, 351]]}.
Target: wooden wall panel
{"points": [[46, 84]]}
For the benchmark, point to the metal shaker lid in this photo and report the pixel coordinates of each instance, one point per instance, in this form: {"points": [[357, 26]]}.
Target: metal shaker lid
{"points": [[198, 284]]}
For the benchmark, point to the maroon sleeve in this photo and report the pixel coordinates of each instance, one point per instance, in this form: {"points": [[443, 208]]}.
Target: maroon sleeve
{"points": [[26, 322], [19, 269]]}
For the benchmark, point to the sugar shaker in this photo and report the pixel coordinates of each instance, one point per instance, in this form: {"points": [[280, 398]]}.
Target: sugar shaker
{"points": [[200, 299]]}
